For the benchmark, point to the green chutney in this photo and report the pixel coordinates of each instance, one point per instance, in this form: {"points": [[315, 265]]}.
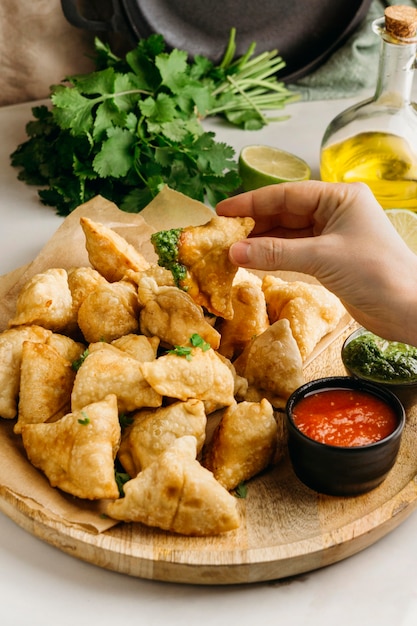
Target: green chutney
{"points": [[375, 358]]}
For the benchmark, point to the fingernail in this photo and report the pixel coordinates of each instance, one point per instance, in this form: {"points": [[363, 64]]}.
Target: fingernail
{"points": [[240, 252]]}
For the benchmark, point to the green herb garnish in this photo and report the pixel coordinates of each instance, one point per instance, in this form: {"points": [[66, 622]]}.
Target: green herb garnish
{"points": [[84, 421], [134, 125], [125, 420], [241, 491], [196, 341], [184, 351], [121, 479], [75, 365]]}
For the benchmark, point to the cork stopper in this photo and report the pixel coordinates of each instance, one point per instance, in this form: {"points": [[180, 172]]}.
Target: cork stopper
{"points": [[401, 21]]}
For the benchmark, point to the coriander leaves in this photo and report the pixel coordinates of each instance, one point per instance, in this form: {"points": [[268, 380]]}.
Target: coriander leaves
{"points": [[134, 125]]}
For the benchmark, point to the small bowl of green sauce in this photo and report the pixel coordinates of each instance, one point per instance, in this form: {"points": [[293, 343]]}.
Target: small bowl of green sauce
{"points": [[372, 358]]}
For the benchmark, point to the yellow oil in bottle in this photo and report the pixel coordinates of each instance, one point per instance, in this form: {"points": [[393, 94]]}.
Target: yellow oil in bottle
{"points": [[384, 161]]}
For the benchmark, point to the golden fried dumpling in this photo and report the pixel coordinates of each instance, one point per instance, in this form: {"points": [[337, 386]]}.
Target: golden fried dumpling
{"points": [[177, 494], [11, 345], [45, 300], [243, 443], [249, 319], [77, 452], [82, 281], [109, 312], [161, 275], [138, 346], [154, 430], [108, 370], [65, 346], [109, 253], [203, 252], [46, 380], [172, 315], [240, 383], [272, 364], [200, 374], [312, 310]]}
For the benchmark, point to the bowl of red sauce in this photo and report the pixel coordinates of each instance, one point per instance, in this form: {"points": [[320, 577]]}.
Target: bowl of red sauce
{"points": [[344, 434]]}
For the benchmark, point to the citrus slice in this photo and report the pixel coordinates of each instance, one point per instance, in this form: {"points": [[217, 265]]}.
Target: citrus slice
{"points": [[264, 165], [405, 223]]}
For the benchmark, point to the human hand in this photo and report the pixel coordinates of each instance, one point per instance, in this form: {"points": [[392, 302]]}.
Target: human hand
{"points": [[341, 235]]}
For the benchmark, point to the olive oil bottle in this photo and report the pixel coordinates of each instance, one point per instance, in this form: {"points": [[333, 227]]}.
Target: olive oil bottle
{"points": [[375, 141]]}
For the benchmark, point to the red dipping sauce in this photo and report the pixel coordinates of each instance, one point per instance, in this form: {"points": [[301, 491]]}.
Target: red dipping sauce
{"points": [[344, 417]]}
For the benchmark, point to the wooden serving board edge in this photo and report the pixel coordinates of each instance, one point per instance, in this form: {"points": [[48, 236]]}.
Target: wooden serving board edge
{"points": [[262, 564]]}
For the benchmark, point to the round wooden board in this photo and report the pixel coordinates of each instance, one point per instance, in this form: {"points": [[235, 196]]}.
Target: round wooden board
{"points": [[286, 528]]}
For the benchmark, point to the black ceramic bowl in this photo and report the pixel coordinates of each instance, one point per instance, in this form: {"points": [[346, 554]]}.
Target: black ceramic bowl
{"points": [[402, 380], [343, 470]]}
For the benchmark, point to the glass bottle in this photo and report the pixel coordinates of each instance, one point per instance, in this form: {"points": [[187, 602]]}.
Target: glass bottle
{"points": [[375, 141]]}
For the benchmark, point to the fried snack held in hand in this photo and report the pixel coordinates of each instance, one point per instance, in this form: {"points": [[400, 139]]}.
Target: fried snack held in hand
{"points": [[154, 430], [172, 315], [109, 253], [272, 365], [177, 494], [243, 444], [199, 259], [312, 310], [108, 370], [45, 300], [11, 345], [77, 452], [199, 374]]}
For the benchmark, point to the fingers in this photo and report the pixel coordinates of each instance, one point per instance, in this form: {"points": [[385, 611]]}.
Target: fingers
{"points": [[271, 253], [289, 206], [308, 206], [299, 198]]}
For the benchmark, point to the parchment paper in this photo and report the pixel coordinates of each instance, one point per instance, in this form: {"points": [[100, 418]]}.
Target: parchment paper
{"points": [[66, 249]]}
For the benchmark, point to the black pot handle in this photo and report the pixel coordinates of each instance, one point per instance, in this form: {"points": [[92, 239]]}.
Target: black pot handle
{"points": [[72, 13]]}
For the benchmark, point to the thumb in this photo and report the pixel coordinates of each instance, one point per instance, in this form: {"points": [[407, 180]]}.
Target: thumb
{"points": [[272, 253]]}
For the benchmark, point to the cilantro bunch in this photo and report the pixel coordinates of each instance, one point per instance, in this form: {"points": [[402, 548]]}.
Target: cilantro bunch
{"points": [[134, 125]]}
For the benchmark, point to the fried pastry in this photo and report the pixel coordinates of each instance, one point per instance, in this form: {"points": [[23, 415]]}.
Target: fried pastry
{"points": [[45, 300], [172, 315], [243, 444], [46, 380], [272, 365], [109, 312], [199, 255], [108, 370], [109, 253], [154, 430], [138, 346], [77, 452], [177, 494], [11, 345], [311, 309], [203, 376], [82, 281], [66, 346], [249, 319]]}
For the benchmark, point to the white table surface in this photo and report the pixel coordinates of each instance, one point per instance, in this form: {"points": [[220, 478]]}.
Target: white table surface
{"points": [[40, 585]]}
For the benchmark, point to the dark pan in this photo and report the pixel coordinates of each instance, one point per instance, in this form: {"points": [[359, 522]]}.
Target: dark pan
{"points": [[305, 32]]}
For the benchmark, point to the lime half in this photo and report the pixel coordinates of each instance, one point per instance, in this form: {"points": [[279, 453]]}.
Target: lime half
{"points": [[405, 223], [264, 165]]}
